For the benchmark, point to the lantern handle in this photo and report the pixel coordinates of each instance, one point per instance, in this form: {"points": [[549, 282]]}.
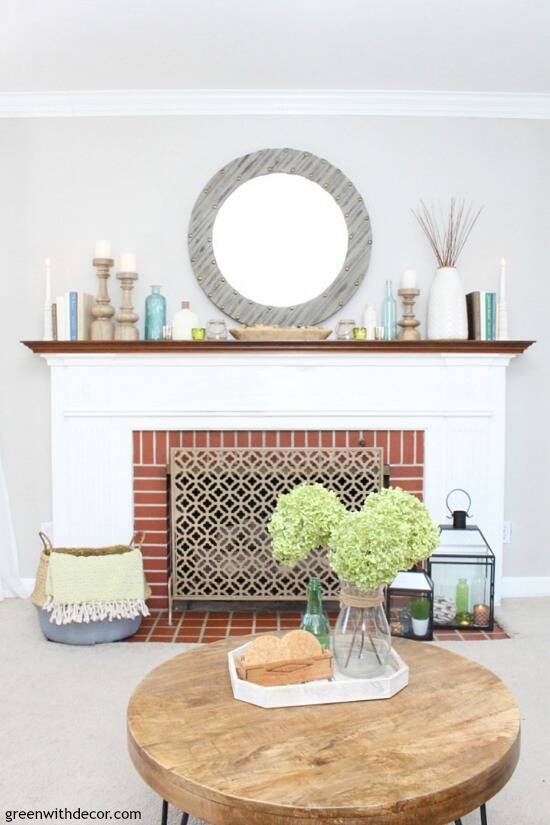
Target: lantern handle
{"points": [[458, 490]]}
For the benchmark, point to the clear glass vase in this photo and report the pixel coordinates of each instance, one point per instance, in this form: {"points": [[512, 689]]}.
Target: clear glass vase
{"points": [[155, 314], [362, 641]]}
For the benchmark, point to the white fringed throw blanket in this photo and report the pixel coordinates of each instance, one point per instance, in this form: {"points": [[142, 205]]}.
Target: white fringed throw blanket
{"points": [[91, 588]]}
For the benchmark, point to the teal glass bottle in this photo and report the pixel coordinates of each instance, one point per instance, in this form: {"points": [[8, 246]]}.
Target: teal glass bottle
{"points": [[389, 314], [315, 620], [155, 314]]}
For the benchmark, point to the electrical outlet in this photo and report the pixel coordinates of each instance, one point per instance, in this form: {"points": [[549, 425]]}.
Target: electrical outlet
{"points": [[507, 532]]}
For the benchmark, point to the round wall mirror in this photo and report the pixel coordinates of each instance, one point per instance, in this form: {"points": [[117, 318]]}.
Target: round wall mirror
{"points": [[279, 237]]}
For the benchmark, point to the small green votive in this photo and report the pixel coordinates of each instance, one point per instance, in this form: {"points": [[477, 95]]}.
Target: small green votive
{"points": [[198, 333], [360, 333]]}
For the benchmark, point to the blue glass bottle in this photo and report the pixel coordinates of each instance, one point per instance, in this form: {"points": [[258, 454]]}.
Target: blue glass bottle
{"points": [[155, 314], [389, 314]]}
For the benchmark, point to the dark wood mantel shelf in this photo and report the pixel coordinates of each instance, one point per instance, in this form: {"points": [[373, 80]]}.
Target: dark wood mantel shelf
{"points": [[148, 347]]}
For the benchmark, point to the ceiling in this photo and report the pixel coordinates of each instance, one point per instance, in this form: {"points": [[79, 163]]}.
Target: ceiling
{"points": [[471, 45]]}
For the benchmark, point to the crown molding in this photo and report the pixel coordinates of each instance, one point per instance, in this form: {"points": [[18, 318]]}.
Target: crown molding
{"points": [[158, 102]]}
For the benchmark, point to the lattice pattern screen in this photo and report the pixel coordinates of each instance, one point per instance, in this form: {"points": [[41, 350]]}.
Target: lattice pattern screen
{"points": [[221, 501]]}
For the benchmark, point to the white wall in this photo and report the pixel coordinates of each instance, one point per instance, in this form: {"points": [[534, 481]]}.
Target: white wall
{"points": [[134, 180]]}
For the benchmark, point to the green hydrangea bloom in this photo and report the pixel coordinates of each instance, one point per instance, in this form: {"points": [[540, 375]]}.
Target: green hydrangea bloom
{"points": [[303, 520], [391, 532]]}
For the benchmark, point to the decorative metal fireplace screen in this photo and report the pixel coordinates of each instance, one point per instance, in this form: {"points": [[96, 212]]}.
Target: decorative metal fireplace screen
{"points": [[221, 501]]}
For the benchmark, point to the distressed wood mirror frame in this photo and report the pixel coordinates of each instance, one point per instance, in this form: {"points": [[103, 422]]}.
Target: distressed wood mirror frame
{"points": [[266, 162]]}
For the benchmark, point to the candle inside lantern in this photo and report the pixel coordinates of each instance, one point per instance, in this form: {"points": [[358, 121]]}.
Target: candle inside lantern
{"points": [[408, 279], [102, 249], [482, 614], [502, 292], [128, 262]]}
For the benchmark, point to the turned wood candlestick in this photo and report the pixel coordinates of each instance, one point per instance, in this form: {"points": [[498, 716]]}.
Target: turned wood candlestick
{"points": [[126, 317], [408, 322], [102, 327]]}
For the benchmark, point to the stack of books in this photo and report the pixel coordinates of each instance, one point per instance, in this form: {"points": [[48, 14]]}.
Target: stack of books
{"points": [[482, 316], [71, 316]]}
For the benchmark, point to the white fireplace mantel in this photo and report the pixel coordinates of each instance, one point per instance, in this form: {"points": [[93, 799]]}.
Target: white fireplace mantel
{"points": [[99, 399]]}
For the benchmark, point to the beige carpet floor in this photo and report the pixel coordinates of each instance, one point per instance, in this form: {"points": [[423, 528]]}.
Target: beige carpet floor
{"points": [[62, 717]]}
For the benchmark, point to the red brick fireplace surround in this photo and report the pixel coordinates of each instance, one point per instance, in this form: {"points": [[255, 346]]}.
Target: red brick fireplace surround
{"points": [[403, 450]]}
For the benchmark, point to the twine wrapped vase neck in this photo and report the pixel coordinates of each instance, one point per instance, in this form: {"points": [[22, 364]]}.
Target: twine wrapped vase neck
{"points": [[363, 600]]}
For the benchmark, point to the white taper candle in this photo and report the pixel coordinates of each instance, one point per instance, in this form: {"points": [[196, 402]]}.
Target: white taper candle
{"points": [[48, 326], [48, 280], [502, 291]]}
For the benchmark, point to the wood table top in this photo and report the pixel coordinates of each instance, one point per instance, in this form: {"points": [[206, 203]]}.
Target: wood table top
{"points": [[437, 750]]}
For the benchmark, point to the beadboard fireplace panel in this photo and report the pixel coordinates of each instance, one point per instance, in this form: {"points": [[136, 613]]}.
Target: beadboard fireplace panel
{"points": [[99, 399]]}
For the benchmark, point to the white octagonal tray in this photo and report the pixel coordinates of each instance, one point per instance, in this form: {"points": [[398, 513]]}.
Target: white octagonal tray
{"points": [[323, 691]]}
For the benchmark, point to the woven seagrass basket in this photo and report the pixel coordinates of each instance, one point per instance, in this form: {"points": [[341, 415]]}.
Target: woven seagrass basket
{"points": [[93, 632], [38, 595]]}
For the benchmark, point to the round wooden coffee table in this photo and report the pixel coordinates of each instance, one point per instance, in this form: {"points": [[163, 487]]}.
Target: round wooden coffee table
{"points": [[439, 749]]}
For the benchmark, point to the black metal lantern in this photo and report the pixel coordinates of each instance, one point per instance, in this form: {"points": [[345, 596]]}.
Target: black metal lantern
{"points": [[409, 605], [463, 573]]}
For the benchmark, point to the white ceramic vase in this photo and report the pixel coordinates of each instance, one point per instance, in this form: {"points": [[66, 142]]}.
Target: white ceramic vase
{"points": [[447, 317]]}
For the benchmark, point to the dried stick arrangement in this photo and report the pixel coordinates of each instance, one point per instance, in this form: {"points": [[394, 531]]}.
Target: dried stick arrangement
{"points": [[447, 234]]}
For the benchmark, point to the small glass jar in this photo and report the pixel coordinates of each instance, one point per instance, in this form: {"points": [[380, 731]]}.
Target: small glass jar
{"points": [[344, 330], [167, 332], [155, 315], [216, 330], [362, 639]]}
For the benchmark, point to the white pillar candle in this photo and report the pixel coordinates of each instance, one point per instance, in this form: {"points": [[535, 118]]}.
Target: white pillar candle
{"points": [[128, 262], [408, 279], [502, 292], [102, 249]]}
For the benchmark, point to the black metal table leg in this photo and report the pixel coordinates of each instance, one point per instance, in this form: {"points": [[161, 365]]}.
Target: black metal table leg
{"points": [[164, 818], [482, 813]]}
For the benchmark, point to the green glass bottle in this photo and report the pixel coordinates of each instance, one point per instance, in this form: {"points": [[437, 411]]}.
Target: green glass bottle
{"points": [[462, 596], [315, 620]]}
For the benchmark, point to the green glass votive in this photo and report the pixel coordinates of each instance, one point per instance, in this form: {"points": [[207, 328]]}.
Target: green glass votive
{"points": [[360, 333], [198, 333]]}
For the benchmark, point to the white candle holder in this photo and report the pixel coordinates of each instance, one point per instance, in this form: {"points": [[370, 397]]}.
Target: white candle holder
{"points": [[102, 327], [126, 317]]}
